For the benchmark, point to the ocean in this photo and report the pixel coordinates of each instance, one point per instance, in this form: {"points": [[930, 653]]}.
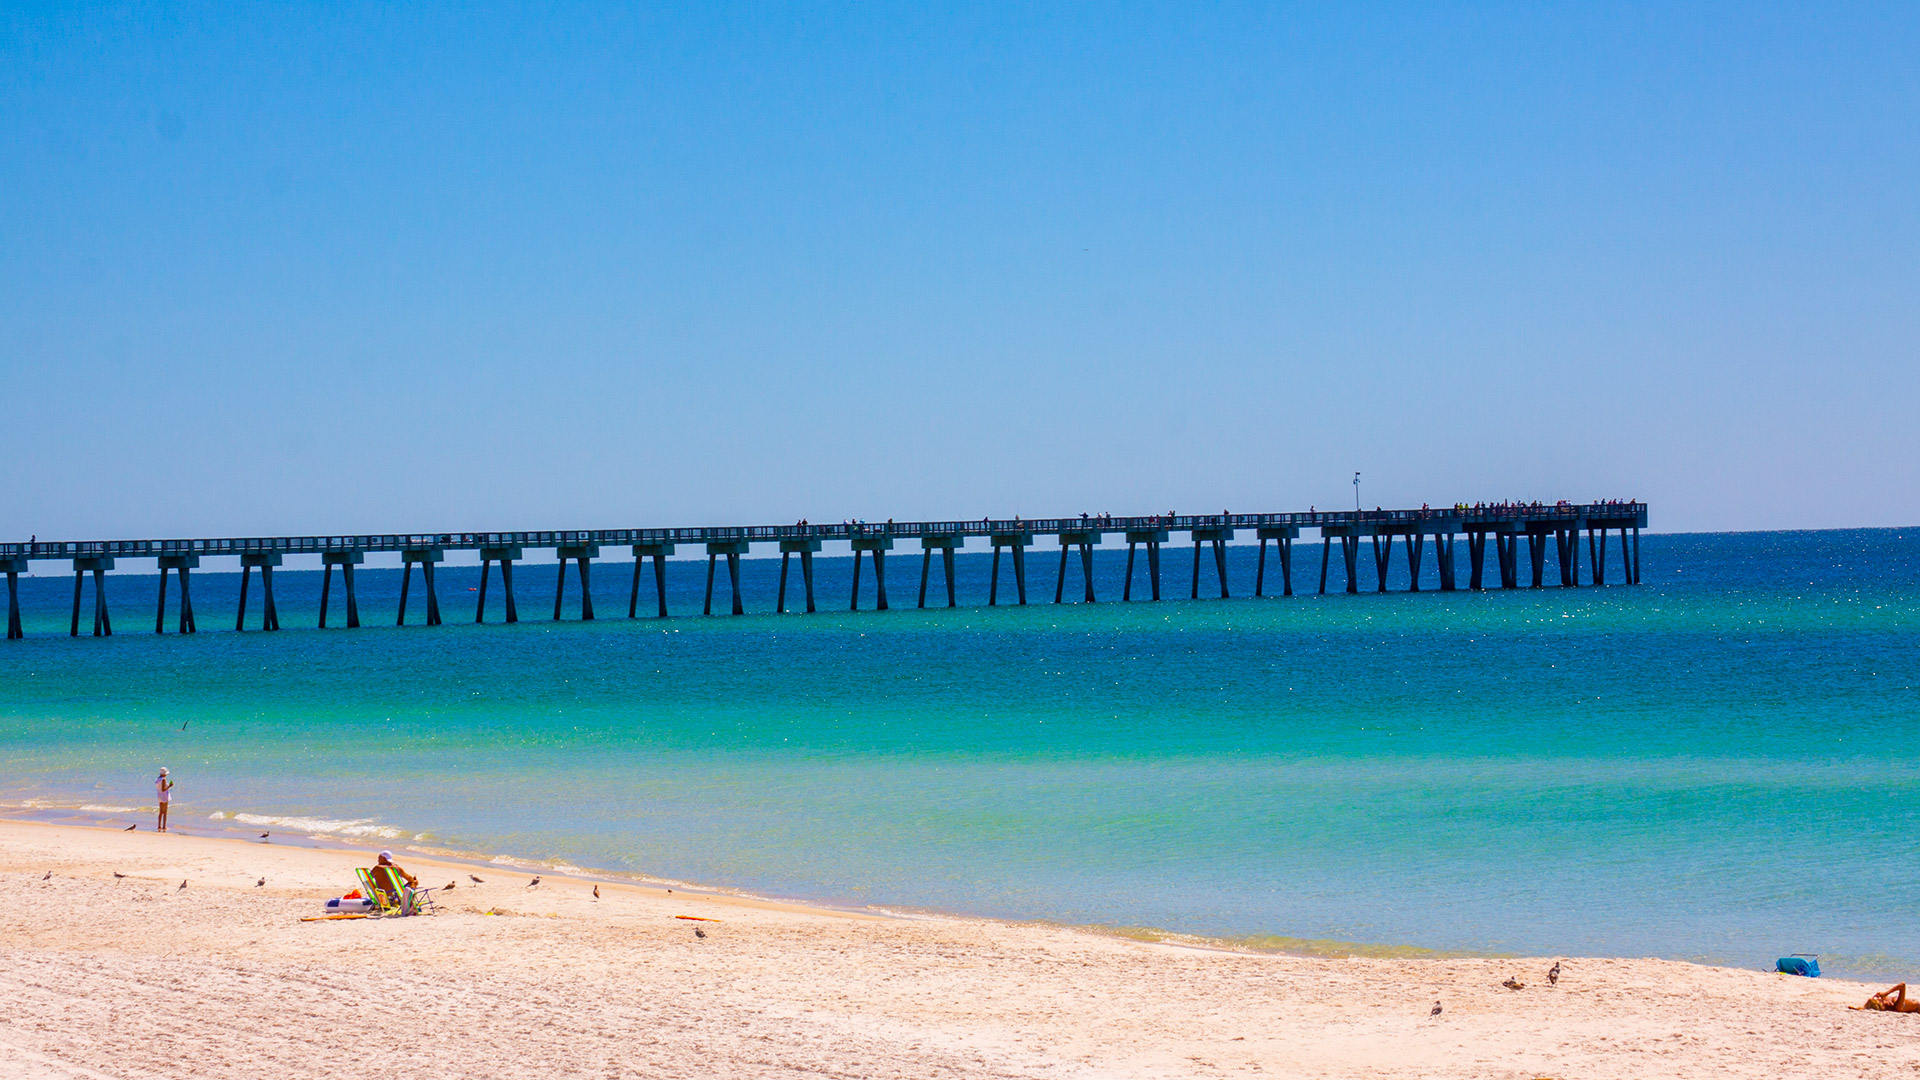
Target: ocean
{"points": [[1721, 764]]}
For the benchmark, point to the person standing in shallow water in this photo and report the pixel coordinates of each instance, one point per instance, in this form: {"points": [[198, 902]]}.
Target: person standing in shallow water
{"points": [[164, 787]]}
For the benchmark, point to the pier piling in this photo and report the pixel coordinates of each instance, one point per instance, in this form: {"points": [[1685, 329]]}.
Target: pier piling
{"points": [[658, 551]]}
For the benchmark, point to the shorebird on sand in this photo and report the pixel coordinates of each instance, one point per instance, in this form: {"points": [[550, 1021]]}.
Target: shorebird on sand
{"points": [[260, 883], [117, 873], [1435, 1014], [449, 887], [1513, 983], [535, 881], [130, 828], [596, 890], [697, 932], [182, 886], [1553, 974], [48, 876], [475, 880]]}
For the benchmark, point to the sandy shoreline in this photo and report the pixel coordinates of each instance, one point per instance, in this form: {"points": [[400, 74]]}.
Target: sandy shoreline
{"points": [[134, 976]]}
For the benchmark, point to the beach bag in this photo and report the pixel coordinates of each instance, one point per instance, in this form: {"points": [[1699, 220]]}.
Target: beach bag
{"points": [[1798, 965]]}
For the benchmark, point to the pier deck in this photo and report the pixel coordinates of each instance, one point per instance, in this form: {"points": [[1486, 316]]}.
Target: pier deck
{"points": [[1345, 529]]}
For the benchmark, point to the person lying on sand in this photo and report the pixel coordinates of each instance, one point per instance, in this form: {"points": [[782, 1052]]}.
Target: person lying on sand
{"points": [[1893, 999]]}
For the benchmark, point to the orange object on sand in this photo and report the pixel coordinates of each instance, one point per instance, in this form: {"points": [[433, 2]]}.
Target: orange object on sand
{"points": [[695, 918], [354, 895]]}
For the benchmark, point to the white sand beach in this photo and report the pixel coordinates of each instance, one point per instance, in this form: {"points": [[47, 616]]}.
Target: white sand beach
{"points": [[133, 976]]}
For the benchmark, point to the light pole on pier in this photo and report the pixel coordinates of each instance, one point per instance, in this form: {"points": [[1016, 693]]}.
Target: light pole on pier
{"points": [[1356, 491]]}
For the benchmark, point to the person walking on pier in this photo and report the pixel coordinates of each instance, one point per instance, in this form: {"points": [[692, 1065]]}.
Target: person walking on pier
{"points": [[164, 787]]}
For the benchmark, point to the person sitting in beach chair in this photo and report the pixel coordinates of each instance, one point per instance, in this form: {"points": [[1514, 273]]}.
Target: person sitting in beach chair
{"points": [[1893, 999], [393, 890]]}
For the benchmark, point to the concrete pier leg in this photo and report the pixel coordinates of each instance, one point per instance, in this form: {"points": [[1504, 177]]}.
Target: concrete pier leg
{"points": [[993, 580], [480, 601], [733, 578], [660, 583], [1414, 541], [1020, 572], [1573, 550], [856, 580], [326, 591], [74, 630], [559, 590], [270, 614], [186, 623], [1195, 594], [1510, 563], [246, 575], [1626, 558], [433, 595], [1537, 556], [1636, 555], [946, 564], [586, 590], [711, 559], [780, 598], [1591, 560], [160, 611], [633, 598], [1476, 559], [353, 596], [1060, 584], [1086, 568], [1443, 555], [926, 566], [406, 581], [1220, 565], [880, 579], [14, 633], [1126, 591], [1285, 548], [1382, 557], [1350, 551], [1600, 560], [1260, 571], [1326, 550], [506, 589], [806, 574], [1153, 566], [102, 621]]}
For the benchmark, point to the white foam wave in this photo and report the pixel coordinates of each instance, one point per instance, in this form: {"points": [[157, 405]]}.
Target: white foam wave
{"points": [[332, 826], [102, 809]]}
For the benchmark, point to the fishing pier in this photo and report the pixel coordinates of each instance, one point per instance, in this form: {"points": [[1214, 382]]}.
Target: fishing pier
{"points": [[1552, 535]]}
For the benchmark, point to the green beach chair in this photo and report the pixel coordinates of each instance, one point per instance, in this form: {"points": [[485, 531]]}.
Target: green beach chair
{"points": [[399, 898]]}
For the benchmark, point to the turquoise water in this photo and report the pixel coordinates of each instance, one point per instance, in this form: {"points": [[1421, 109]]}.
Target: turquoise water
{"points": [[1720, 764]]}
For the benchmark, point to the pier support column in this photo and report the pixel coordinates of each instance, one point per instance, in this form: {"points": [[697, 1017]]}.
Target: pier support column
{"points": [[1326, 550], [1509, 544], [582, 556], [1414, 541], [1382, 559], [102, 621], [1626, 558], [426, 557], [506, 557], [806, 548], [879, 546], [1018, 542], [1282, 537], [1636, 555], [658, 552], [1350, 552], [732, 549], [1443, 556], [346, 561], [1476, 558], [1153, 538], [182, 564], [269, 614], [945, 545], [1217, 536], [1537, 555], [1084, 539], [14, 568], [1597, 554]]}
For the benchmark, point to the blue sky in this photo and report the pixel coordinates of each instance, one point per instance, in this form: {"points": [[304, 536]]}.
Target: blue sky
{"points": [[391, 267]]}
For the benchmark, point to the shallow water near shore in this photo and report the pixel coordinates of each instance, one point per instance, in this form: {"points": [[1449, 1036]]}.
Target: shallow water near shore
{"points": [[1720, 764]]}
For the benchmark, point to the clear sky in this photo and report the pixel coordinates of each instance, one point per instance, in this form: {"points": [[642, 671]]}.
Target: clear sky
{"points": [[396, 267]]}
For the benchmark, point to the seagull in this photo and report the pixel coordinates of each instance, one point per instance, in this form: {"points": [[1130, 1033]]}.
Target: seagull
{"points": [[697, 932], [475, 880], [1553, 974], [1513, 983], [259, 883], [596, 889], [130, 828], [182, 886], [49, 877], [1436, 1010], [535, 881], [450, 886], [264, 835], [117, 873]]}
